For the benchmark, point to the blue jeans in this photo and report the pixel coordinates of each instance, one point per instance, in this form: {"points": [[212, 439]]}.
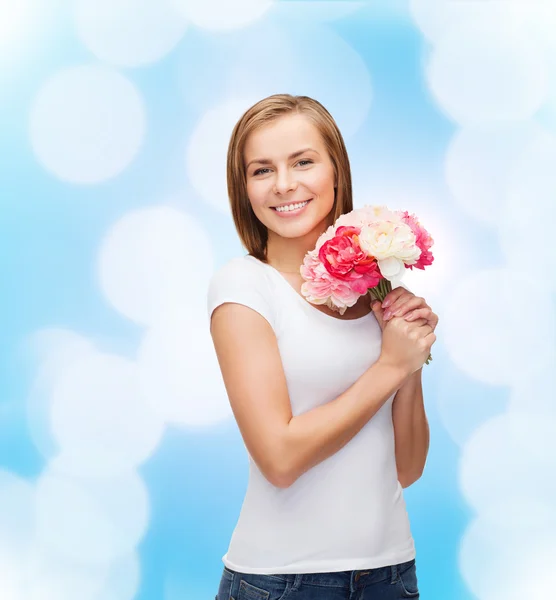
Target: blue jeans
{"points": [[385, 583]]}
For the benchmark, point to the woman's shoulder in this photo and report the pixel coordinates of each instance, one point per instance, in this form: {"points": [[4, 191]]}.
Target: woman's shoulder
{"points": [[243, 280], [246, 269]]}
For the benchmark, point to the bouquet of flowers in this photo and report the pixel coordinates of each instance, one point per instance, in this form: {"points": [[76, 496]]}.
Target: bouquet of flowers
{"points": [[367, 249]]}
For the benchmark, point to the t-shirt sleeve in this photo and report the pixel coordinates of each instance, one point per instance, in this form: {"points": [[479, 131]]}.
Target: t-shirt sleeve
{"points": [[242, 283]]}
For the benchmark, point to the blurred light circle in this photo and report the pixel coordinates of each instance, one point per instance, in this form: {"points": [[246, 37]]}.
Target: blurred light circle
{"points": [[480, 162], [17, 515], [180, 373], [90, 460], [490, 330], [11, 575], [435, 18], [487, 71], [332, 72], [49, 576], [129, 34], [123, 579], [535, 395], [53, 350], [527, 225], [92, 521], [14, 15], [155, 261], [497, 558], [221, 15], [54, 347], [30, 570], [207, 149], [311, 11], [87, 124], [463, 403], [538, 20], [99, 412], [547, 115], [505, 455], [217, 69]]}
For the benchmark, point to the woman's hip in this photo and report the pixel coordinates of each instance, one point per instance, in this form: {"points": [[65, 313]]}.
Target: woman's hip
{"points": [[393, 582]]}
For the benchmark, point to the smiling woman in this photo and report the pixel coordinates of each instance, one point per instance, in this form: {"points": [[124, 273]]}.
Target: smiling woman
{"points": [[289, 181], [312, 393], [284, 151]]}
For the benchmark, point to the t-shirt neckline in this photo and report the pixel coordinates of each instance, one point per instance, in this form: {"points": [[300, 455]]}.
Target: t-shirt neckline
{"points": [[306, 302]]}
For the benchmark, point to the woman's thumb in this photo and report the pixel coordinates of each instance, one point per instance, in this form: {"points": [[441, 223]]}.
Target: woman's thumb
{"points": [[376, 306], [378, 311]]}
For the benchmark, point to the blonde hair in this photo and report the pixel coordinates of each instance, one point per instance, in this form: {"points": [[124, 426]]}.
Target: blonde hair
{"points": [[253, 233]]}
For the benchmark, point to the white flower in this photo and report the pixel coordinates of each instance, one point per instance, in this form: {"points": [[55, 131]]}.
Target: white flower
{"points": [[360, 217], [387, 239]]}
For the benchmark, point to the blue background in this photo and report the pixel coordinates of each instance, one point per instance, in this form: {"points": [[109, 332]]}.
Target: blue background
{"points": [[52, 227]]}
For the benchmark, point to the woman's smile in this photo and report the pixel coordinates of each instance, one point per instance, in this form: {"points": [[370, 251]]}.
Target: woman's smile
{"points": [[291, 210]]}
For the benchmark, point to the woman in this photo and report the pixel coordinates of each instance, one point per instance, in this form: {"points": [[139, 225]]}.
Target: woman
{"points": [[329, 406]]}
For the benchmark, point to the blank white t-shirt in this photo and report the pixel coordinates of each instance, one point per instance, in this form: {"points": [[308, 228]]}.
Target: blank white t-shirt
{"points": [[348, 512]]}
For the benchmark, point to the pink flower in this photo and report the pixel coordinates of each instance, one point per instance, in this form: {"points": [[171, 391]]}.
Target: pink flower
{"points": [[344, 259], [324, 237], [423, 241], [367, 248], [322, 288]]}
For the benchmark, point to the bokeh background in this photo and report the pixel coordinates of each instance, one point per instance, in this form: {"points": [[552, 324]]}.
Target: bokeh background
{"points": [[122, 471]]}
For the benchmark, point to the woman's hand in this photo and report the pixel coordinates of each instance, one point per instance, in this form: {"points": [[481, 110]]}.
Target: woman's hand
{"points": [[406, 344], [407, 323], [402, 303]]}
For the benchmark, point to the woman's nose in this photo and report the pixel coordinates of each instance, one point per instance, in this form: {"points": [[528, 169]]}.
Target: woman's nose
{"points": [[284, 182]]}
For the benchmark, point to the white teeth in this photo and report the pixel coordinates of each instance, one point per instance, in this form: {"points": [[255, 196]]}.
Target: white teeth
{"points": [[291, 207]]}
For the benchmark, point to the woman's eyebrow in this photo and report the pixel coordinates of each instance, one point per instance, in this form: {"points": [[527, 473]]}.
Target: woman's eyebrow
{"points": [[267, 161]]}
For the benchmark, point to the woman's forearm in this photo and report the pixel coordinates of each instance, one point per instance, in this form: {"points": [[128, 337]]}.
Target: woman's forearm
{"points": [[411, 430], [319, 433]]}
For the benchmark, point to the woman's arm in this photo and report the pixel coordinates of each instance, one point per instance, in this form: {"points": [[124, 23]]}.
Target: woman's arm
{"points": [[411, 430], [321, 432], [284, 447]]}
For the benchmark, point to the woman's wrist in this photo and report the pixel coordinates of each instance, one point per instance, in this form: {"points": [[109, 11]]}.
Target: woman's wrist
{"points": [[393, 369]]}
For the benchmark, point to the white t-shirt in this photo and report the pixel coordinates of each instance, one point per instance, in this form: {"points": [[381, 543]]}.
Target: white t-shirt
{"points": [[348, 512]]}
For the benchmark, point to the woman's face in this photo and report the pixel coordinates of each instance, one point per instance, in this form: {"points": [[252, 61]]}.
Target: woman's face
{"points": [[287, 163]]}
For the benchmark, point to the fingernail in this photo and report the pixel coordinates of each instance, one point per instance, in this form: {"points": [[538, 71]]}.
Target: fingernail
{"points": [[387, 315], [386, 303]]}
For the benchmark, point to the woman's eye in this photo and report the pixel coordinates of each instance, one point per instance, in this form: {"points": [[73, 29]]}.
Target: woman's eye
{"points": [[261, 171]]}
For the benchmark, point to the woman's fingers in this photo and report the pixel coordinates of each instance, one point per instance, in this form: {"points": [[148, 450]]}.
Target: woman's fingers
{"points": [[423, 313], [403, 305], [418, 322]]}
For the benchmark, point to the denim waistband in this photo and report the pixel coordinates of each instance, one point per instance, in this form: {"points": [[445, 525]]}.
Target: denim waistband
{"points": [[343, 579]]}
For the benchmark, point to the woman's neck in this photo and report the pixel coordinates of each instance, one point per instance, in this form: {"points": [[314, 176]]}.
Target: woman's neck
{"points": [[287, 254]]}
